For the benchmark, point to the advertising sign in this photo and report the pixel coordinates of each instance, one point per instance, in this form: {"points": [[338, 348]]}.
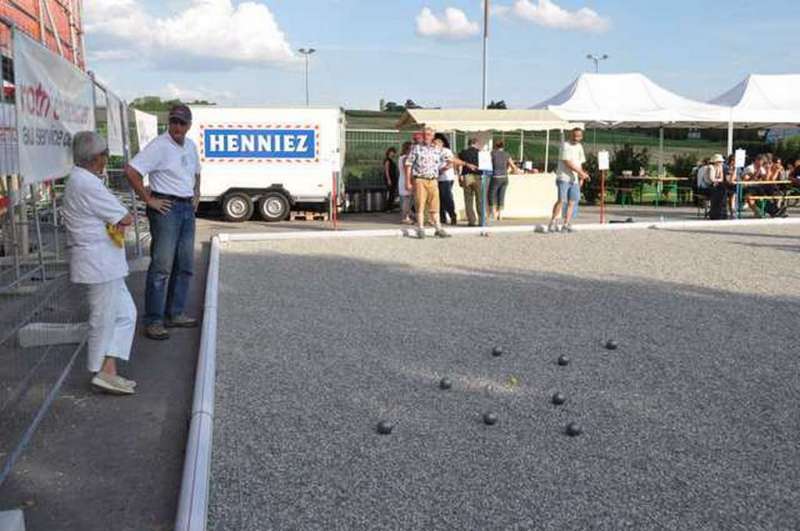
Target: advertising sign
{"points": [[54, 101], [257, 144], [114, 124], [146, 128]]}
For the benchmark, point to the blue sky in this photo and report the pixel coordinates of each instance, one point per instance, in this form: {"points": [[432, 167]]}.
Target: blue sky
{"points": [[244, 53]]}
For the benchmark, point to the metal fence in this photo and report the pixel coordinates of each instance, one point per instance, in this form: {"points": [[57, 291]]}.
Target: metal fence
{"points": [[42, 314]]}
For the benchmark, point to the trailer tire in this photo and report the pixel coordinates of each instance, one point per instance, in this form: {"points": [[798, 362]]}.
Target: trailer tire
{"points": [[237, 207], [273, 206]]}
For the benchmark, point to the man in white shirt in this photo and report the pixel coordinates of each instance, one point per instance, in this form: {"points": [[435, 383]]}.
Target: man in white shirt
{"points": [[93, 217], [173, 164], [570, 176]]}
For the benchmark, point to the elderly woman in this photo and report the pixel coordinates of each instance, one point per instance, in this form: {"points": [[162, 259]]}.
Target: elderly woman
{"points": [[95, 222]]}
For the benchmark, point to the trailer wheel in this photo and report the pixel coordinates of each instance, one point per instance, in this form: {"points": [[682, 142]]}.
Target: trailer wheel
{"points": [[274, 206], [237, 207]]}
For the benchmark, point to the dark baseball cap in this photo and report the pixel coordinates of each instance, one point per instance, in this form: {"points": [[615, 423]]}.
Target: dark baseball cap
{"points": [[181, 112]]}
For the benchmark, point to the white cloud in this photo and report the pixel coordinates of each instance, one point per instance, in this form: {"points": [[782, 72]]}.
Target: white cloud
{"points": [[208, 34], [452, 24], [173, 91], [550, 15]]}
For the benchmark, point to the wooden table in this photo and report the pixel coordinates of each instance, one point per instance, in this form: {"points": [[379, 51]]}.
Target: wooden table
{"points": [[671, 182]]}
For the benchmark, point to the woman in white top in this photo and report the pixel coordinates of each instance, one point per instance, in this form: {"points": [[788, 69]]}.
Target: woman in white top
{"points": [[406, 195], [95, 222]]}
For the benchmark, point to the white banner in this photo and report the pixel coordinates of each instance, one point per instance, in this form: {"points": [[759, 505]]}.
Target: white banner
{"points": [[54, 101], [114, 125], [146, 128]]}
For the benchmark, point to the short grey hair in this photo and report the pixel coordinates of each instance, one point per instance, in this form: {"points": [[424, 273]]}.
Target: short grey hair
{"points": [[86, 146]]}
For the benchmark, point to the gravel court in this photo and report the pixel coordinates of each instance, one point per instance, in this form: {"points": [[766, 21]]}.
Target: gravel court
{"points": [[692, 423]]}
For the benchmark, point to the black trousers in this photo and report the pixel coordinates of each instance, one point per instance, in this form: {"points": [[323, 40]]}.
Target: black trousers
{"points": [[391, 196], [718, 196], [447, 206]]}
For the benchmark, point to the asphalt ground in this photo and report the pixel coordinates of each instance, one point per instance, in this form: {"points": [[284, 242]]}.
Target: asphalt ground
{"points": [[691, 424], [103, 463]]}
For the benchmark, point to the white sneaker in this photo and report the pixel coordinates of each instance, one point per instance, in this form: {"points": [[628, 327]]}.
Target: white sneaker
{"points": [[568, 228], [111, 384], [553, 227], [129, 383]]}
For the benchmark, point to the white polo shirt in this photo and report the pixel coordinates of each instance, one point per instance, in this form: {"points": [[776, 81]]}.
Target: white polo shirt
{"points": [[170, 167], [88, 206]]}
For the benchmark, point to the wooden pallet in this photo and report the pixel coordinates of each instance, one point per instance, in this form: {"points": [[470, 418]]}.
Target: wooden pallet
{"points": [[308, 215]]}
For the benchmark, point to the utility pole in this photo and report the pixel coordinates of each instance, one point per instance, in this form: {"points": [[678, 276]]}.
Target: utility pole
{"points": [[596, 59], [485, 50], [306, 53]]}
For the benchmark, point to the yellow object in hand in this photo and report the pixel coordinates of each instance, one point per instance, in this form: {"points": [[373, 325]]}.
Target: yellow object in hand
{"points": [[117, 236]]}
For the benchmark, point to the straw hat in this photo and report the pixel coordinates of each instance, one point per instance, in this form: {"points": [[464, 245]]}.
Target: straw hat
{"points": [[717, 158]]}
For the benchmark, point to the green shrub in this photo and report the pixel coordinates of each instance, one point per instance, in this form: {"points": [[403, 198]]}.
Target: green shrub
{"points": [[682, 164], [628, 159]]}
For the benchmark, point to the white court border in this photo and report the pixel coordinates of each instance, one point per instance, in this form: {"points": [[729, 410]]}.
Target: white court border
{"points": [[196, 482]]}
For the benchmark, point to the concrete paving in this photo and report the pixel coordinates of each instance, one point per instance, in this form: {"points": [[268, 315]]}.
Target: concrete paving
{"points": [[100, 463], [690, 424]]}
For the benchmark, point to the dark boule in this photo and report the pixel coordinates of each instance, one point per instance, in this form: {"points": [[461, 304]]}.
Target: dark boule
{"points": [[385, 427], [558, 399], [490, 419], [574, 429], [563, 361], [445, 383]]}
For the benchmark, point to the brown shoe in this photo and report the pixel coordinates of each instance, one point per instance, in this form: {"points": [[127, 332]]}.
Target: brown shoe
{"points": [[156, 331], [181, 321]]}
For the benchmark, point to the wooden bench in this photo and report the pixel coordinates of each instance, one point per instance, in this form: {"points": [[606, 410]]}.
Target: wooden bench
{"points": [[762, 200]]}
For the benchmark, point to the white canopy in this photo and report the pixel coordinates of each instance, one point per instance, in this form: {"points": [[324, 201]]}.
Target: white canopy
{"points": [[764, 101], [469, 120], [625, 100]]}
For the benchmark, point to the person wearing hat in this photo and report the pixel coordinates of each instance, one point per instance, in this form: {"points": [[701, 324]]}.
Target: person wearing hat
{"points": [[714, 182], [172, 163], [95, 221]]}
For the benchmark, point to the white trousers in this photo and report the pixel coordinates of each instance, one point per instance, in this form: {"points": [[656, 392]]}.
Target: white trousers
{"points": [[112, 322]]}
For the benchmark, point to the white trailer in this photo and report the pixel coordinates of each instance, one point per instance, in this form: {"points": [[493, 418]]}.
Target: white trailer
{"points": [[269, 160]]}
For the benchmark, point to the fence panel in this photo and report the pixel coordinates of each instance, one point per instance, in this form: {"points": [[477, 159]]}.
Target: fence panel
{"points": [[42, 314]]}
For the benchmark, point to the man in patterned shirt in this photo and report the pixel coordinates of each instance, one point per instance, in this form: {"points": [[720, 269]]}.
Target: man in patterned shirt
{"points": [[423, 165]]}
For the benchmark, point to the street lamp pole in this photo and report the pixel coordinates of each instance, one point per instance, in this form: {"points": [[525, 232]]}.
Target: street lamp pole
{"points": [[306, 53], [596, 59], [485, 50]]}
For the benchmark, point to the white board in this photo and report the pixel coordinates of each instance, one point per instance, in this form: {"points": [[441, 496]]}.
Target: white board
{"points": [[54, 101], [603, 160], [741, 157], [485, 161]]}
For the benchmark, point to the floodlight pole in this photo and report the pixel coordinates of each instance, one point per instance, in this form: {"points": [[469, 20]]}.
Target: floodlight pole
{"points": [[306, 53], [596, 59], [485, 51]]}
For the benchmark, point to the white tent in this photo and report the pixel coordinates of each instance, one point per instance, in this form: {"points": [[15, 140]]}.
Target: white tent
{"points": [[628, 100], [763, 101]]}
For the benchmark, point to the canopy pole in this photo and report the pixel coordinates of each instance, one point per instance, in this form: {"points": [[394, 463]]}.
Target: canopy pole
{"points": [[730, 137], [521, 145], [485, 66], [661, 151], [547, 150]]}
